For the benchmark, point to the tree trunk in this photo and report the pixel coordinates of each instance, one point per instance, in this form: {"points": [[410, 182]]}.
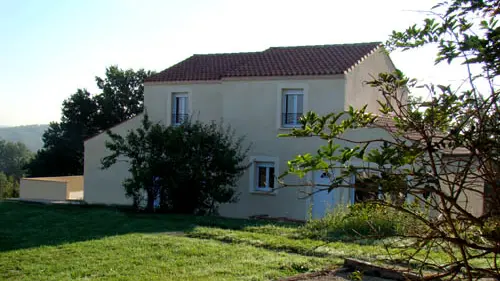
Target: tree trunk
{"points": [[150, 207]]}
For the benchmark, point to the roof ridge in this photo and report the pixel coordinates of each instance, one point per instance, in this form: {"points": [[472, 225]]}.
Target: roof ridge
{"points": [[326, 45], [222, 54]]}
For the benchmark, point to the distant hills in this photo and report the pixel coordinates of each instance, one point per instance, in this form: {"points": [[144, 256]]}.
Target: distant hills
{"points": [[30, 135]]}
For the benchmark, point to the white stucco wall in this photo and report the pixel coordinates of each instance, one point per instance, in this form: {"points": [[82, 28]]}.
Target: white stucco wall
{"points": [[204, 100], [253, 108], [105, 186], [471, 197], [358, 93]]}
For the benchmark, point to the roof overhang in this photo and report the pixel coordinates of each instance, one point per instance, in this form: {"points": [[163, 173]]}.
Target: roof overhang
{"points": [[249, 78]]}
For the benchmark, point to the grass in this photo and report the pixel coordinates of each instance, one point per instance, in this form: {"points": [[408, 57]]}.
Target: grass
{"points": [[58, 242], [30, 225], [335, 251], [151, 257], [41, 242]]}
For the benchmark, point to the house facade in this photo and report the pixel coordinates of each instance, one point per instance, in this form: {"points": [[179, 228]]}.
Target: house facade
{"points": [[261, 95]]}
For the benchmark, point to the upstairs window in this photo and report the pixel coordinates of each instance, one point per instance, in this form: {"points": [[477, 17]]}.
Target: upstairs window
{"points": [[179, 108], [292, 107]]}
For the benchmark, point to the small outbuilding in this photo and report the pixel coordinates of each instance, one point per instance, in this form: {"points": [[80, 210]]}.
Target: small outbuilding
{"points": [[52, 188]]}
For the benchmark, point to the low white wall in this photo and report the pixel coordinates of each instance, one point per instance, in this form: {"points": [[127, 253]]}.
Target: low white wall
{"points": [[75, 195], [74, 187], [42, 189]]}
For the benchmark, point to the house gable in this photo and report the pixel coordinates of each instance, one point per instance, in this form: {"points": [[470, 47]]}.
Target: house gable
{"points": [[358, 93]]}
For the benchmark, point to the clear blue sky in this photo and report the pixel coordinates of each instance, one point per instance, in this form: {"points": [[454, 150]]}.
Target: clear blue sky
{"points": [[49, 48]]}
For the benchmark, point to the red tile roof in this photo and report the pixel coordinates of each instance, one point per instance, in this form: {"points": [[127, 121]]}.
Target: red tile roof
{"points": [[275, 61]]}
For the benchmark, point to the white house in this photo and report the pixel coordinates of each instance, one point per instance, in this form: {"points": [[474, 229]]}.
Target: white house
{"points": [[261, 95]]}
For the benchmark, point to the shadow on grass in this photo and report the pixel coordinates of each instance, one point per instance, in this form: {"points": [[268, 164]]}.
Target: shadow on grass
{"points": [[26, 225], [283, 247]]}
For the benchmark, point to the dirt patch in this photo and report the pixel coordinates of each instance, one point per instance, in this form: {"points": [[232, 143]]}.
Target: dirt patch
{"points": [[345, 277], [389, 272], [371, 272], [276, 219], [331, 275]]}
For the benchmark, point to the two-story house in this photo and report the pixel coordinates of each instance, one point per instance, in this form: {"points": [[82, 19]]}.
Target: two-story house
{"points": [[261, 95]]}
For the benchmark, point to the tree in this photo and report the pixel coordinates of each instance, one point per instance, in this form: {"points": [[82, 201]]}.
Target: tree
{"points": [[85, 115], [13, 158], [445, 147], [9, 186], [122, 95], [191, 168]]}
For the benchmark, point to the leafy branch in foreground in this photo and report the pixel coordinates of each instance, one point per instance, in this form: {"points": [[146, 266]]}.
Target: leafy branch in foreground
{"points": [[441, 153]]}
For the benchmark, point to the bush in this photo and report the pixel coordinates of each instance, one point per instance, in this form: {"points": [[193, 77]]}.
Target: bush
{"points": [[359, 221], [9, 186], [190, 169]]}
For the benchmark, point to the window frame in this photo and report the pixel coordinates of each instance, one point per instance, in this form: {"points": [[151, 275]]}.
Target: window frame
{"points": [[267, 162], [286, 94], [174, 107], [267, 166], [281, 89]]}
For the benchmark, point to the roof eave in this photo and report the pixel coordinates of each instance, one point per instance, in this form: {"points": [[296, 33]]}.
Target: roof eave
{"points": [[247, 78], [181, 82], [284, 77]]}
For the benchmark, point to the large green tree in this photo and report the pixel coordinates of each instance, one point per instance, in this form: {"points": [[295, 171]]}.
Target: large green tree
{"points": [[445, 147], [122, 95], [85, 115], [13, 158]]}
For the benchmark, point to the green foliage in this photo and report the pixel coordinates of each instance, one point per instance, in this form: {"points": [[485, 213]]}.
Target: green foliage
{"points": [[461, 29], [360, 221], [190, 168], [13, 158], [436, 151], [9, 186], [355, 276], [121, 97], [85, 115]]}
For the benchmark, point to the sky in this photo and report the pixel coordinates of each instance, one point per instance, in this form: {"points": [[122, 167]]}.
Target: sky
{"points": [[50, 48]]}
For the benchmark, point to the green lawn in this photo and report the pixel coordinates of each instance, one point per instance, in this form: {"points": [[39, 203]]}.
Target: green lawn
{"points": [[41, 242]]}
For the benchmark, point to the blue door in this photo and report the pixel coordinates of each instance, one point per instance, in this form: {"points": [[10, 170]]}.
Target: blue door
{"points": [[324, 201]]}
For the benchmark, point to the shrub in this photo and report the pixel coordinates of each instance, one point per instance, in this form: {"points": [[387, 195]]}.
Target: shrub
{"points": [[9, 186], [191, 168], [359, 221]]}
